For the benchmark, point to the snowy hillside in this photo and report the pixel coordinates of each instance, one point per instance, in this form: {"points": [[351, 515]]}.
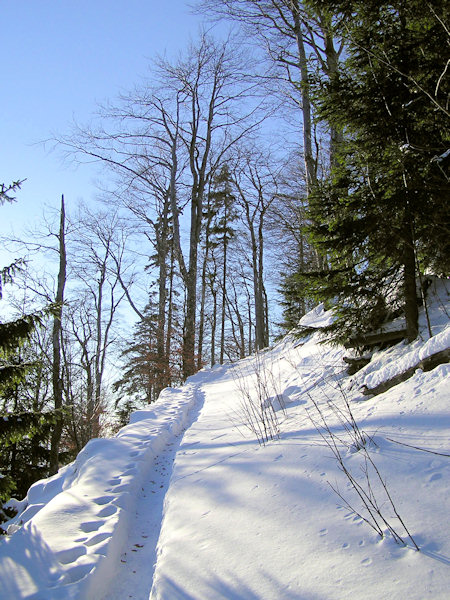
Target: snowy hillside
{"points": [[186, 503]]}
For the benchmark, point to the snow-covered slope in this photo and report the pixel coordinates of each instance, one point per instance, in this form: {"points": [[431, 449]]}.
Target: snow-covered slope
{"points": [[245, 520]]}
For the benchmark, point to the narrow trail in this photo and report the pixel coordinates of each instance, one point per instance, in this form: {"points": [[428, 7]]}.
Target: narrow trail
{"points": [[134, 578]]}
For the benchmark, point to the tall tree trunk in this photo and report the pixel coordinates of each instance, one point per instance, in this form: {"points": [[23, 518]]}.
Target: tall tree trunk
{"points": [[257, 292], [240, 321], [56, 342], [261, 288], [96, 398], [201, 327], [250, 330], [224, 292], [409, 285], [162, 358], [310, 163], [188, 354], [332, 57], [168, 345], [213, 328], [88, 432]]}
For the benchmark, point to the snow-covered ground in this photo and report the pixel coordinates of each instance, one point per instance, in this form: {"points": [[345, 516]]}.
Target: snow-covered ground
{"points": [[186, 504]]}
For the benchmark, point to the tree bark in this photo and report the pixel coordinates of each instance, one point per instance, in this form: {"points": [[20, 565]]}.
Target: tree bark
{"points": [[56, 342], [409, 286], [310, 163], [224, 287]]}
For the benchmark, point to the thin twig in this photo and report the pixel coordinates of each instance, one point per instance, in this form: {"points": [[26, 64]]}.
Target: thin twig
{"points": [[417, 448]]}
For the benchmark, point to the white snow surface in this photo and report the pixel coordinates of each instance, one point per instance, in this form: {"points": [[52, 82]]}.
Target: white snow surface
{"points": [[185, 504], [317, 317]]}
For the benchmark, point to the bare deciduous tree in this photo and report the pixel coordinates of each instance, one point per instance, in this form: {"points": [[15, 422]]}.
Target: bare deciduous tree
{"points": [[256, 190], [298, 40], [168, 139]]}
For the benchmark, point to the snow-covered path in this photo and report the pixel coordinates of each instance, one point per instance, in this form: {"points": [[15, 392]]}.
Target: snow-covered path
{"points": [[134, 577]]}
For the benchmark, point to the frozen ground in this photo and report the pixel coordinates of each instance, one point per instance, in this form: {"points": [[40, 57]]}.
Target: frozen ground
{"points": [[186, 504]]}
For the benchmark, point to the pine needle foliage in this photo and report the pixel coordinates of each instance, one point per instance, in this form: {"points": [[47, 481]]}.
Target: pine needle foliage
{"points": [[383, 214], [17, 426]]}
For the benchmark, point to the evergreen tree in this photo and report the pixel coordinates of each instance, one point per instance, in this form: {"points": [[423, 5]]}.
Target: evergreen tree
{"points": [[19, 423], [384, 213], [140, 378], [293, 301], [140, 383], [26, 422]]}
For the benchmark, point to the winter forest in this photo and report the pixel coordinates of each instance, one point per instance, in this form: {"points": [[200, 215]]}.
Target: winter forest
{"points": [[296, 153]]}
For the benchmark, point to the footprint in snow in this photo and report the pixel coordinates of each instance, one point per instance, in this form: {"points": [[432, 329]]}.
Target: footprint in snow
{"points": [[97, 538], [108, 511], [115, 481], [103, 500], [76, 573], [65, 557], [89, 526], [120, 488], [131, 471]]}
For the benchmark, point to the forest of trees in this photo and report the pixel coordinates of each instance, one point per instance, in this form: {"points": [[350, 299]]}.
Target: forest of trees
{"points": [[305, 155]]}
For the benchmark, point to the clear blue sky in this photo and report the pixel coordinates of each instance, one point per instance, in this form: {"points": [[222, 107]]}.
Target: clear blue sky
{"points": [[58, 59]]}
